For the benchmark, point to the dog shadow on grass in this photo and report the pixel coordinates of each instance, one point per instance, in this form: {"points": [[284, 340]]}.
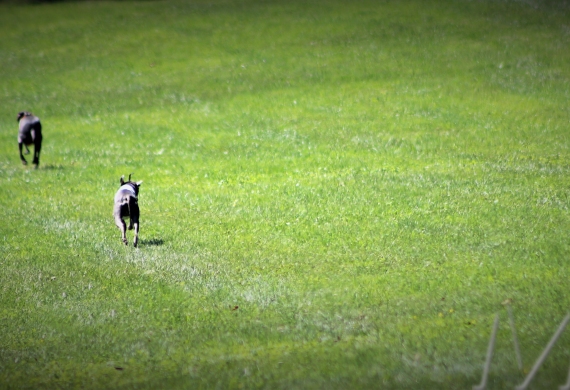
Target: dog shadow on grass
{"points": [[52, 167], [152, 242]]}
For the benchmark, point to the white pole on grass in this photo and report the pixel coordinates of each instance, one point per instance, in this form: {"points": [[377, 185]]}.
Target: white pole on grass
{"points": [[544, 354], [483, 383]]}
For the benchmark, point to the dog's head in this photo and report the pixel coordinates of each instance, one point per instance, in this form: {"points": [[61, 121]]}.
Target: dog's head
{"points": [[134, 184], [22, 114]]}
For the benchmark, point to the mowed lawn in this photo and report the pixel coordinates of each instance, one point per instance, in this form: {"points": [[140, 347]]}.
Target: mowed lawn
{"points": [[336, 194]]}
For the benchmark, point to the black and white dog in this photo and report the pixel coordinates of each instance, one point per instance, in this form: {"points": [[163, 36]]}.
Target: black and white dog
{"points": [[30, 132], [126, 205]]}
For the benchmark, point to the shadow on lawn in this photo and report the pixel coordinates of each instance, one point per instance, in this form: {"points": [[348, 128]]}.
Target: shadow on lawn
{"points": [[152, 242], [52, 167]]}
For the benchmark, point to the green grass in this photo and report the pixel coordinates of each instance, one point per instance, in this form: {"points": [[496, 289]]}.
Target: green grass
{"points": [[336, 194]]}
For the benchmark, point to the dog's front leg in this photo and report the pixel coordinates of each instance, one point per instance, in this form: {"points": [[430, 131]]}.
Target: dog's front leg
{"points": [[136, 240], [123, 227]]}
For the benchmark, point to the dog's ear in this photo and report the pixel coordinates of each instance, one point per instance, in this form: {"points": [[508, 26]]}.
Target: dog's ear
{"points": [[122, 179], [20, 115]]}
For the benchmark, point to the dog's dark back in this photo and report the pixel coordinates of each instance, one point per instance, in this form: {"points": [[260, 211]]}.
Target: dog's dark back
{"points": [[28, 123]]}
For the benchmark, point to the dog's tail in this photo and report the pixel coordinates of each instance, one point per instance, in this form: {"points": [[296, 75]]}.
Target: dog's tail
{"points": [[128, 201]]}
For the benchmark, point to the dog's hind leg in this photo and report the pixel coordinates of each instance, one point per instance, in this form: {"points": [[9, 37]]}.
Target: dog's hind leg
{"points": [[123, 227], [21, 155], [134, 214], [37, 136]]}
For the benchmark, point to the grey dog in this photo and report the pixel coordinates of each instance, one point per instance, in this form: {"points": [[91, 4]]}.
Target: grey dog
{"points": [[30, 132], [126, 205]]}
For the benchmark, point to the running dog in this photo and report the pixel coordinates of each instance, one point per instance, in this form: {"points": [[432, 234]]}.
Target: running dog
{"points": [[30, 132], [126, 205]]}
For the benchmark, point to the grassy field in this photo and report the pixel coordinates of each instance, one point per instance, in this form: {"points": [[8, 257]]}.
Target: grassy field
{"points": [[336, 194]]}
